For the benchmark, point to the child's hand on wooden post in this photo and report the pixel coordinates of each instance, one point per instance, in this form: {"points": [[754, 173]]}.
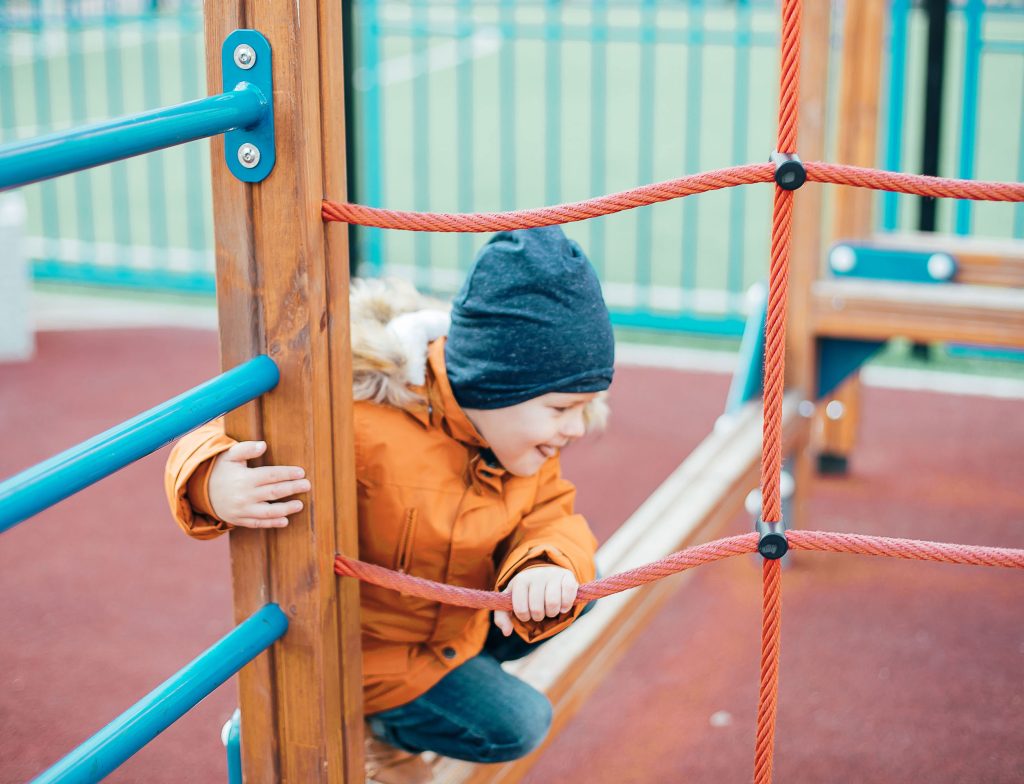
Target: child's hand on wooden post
{"points": [[246, 496], [538, 593]]}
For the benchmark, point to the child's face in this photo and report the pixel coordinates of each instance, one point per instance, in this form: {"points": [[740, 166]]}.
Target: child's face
{"points": [[525, 435]]}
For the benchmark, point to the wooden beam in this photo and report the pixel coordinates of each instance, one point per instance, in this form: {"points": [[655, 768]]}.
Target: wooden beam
{"points": [[692, 505], [876, 310], [981, 262], [282, 289], [860, 80], [807, 251]]}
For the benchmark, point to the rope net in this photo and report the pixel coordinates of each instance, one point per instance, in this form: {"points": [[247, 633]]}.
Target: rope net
{"points": [[774, 375]]}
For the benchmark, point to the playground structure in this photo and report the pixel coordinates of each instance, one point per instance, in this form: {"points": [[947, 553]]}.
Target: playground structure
{"points": [[292, 276]]}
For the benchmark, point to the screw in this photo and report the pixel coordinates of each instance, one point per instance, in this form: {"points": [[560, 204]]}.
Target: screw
{"points": [[249, 155], [245, 56]]}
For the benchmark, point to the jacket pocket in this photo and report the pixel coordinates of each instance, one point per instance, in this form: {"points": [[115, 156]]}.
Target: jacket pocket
{"points": [[403, 553]]}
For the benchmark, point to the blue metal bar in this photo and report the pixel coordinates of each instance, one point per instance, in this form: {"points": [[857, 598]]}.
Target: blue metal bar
{"points": [[576, 32], [75, 68], [371, 111], [894, 122], [464, 110], [694, 78], [51, 219], [123, 206], [1018, 210], [645, 152], [740, 143], [233, 747], [598, 123], [507, 131], [53, 480], [156, 186], [968, 133], [553, 102], [38, 159], [748, 379], [421, 137], [155, 712]]}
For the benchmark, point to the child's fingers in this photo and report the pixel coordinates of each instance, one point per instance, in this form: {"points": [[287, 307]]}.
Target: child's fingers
{"points": [[273, 522], [245, 450], [521, 600], [537, 591], [280, 490], [263, 511], [553, 598], [503, 622], [268, 475], [569, 590]]}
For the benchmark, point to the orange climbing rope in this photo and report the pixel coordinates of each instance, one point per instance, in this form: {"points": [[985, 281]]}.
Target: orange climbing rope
{"points": [[774, 373], [710, 552], [751, 174]]}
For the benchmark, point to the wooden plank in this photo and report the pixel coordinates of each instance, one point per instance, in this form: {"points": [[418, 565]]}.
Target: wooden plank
{"points": [[807, 252], [982, 262], [703, 494], [874, 310], [282, 290], [863, 43]]}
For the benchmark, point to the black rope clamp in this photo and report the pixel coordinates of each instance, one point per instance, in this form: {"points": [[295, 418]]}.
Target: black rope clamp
{"points": [[790, 173], [771, 541]]}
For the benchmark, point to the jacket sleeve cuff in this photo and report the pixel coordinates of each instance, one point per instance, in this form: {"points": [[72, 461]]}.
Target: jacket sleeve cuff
{"points": [[187, 482], [544, 555]]}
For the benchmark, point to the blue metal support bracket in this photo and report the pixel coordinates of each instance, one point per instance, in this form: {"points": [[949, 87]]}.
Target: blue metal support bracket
{"points": [[249, 152], [869, 260]]}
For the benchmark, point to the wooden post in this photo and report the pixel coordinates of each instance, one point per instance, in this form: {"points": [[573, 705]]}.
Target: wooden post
{"points": [[282, 289], [806, 248], [863, 40]]}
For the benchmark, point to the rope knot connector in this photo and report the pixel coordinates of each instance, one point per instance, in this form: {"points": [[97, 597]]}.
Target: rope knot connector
{"points": [[790, 173], [771, 539]]}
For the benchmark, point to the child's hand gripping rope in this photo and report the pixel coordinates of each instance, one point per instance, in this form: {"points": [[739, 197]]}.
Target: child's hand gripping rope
{"points": [[538, 593]]}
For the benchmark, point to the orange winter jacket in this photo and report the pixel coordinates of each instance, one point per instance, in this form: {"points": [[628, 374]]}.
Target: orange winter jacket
{"points": [[431, 505]]}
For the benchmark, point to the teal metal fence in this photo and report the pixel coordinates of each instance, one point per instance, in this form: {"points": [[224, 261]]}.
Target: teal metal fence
{"points": [[983, 123], [496, 105], [146, 222], [502, 105]]}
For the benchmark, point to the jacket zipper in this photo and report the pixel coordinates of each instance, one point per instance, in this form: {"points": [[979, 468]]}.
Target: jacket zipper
{"points": [[403, 556]]}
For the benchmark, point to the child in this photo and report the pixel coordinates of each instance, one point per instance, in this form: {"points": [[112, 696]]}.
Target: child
{"points": [[458, 481]]}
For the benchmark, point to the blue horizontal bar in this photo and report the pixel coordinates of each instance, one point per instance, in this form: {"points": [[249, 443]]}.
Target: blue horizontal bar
{"points": [[587, 34], [698, 323], [25, 162], [155, 712], [88, 274], [53, 480]]}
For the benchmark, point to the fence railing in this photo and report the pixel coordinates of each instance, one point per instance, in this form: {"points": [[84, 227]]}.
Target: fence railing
{"points": [[515, 104]]}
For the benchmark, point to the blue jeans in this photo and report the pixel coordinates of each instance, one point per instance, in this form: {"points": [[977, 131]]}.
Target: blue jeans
{"points": [[477, 712]]}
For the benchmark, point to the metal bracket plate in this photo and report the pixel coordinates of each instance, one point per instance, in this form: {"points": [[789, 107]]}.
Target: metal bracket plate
{"points": [[245, 58]]}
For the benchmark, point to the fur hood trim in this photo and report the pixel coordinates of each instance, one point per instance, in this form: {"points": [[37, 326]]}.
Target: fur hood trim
{"points": [[388, 361]]}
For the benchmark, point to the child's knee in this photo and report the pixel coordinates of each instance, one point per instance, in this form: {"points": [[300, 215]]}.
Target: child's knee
{"points": [[518, 731]]}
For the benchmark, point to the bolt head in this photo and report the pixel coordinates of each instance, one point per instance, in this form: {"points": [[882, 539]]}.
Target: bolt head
{"points": [[941, 266], [249, 155], [842, 259], [245, 56]]}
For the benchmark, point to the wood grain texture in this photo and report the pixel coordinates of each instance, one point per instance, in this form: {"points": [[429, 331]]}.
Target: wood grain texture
{"points": [[856, 144], [924, 312], [283, 290]]}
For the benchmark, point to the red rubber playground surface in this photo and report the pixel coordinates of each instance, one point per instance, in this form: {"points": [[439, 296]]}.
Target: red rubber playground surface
{"points": [[890, 671]]}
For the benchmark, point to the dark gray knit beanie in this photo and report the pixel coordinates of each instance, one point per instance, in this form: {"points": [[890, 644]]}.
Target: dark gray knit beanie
{"points": [[530, 319]]}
